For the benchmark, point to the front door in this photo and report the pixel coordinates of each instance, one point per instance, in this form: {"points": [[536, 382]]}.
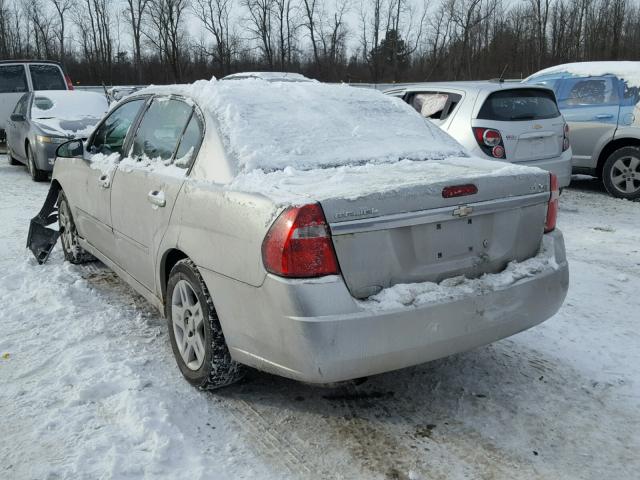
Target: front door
{"points": [[590, 106], [94, 176], [147, 183]]}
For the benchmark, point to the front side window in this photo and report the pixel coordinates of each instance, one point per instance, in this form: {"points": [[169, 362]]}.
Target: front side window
{"points": [[161, 129], [111, 134], [47, 77], [577, 92], [13, 79]]}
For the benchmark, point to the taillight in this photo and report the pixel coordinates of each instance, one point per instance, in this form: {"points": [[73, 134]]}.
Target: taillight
{"points": [[69, 82], [565, 138], [299, 245], [552, 208], [490, 141]]}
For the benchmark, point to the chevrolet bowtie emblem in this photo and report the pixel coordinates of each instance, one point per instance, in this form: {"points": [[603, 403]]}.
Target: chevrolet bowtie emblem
{"points": [[537, 126], [462, 211]]}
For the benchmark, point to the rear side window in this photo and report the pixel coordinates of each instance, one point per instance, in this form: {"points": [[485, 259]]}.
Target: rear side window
{"points": [[519, 104], [47, 77], [578, 92], [13, 79], [434, 105], [160, 129], [190, 142]]}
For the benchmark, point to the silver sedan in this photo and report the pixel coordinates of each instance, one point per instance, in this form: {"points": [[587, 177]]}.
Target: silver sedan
{"points": [[314, 231]]}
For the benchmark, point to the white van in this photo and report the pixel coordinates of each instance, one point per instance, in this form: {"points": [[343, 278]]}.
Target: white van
{"points": [[20, 76]]}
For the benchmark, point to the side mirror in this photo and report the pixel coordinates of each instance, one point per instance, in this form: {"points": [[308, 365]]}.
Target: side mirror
{"points": [[17, 117], [71, 149]]}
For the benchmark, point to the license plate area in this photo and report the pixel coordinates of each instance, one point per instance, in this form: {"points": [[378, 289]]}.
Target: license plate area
{"points": [[454, 239], [533, 148]]}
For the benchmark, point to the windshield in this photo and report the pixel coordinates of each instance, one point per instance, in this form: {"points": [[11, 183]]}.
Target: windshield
{"points": [[68, 105], [519, 104]]}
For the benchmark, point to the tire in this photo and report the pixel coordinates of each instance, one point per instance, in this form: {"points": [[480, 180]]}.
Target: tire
{"points": [[621, 173], [73, 252], [36, 175], [194, 327], [12, 161]]}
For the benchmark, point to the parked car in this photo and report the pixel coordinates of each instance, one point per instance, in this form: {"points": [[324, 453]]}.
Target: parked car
{"points": [[497, 120], [42, 120], [270, 76], [20, 76], [599, 100], [315, 231]]}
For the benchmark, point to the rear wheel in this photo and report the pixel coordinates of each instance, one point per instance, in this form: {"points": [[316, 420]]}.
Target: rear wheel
{"points": [[73, 252], [621, 173], [36, 174], [194, 329]]}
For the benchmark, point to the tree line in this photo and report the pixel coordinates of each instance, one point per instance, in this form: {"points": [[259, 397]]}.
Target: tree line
{"points": [[167, 41]]}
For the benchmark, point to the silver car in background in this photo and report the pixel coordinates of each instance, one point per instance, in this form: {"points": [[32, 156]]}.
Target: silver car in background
{"points": [[20, 76], [43, 120], [498, 120], [314, 231]]}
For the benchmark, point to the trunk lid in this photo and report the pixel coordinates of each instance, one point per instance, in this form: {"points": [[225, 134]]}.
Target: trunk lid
{"points": [[410, 233]]}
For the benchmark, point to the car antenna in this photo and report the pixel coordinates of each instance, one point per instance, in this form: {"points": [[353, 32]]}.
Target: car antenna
{"points": [[501, 79]]}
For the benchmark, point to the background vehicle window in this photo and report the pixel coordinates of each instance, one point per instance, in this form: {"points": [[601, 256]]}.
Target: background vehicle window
{"points": [[110, 136], [190, 142], [160, 129], [13, 79], [429, 105], [519, 104], [47, 77], [577, 92]]}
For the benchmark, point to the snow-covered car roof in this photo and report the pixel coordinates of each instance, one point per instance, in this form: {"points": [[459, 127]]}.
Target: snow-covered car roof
{"points": [[306, 125], [627, 71], [270, 76], [68, 104], [479, 85]]}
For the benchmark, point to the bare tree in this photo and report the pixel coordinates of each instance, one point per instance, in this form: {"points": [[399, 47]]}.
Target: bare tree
{"points": [[215, 15], [135, 13], [62, 7], [261, 26], [166, 33]]}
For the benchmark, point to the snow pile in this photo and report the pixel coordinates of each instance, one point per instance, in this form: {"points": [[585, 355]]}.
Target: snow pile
{"points": [[417, 294], [628, 71], [274, 125], [355, 181]]}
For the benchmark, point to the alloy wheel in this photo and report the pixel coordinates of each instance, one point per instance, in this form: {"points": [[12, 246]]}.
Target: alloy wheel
{"points": [[188, 325], [625, 174]]}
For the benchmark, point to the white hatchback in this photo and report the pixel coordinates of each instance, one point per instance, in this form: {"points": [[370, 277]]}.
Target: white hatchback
{"points": [[498, 120]]}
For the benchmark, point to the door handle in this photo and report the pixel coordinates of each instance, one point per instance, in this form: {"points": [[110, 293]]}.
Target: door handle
{"points": [[156, 198], [104, 181], [604, 116]]}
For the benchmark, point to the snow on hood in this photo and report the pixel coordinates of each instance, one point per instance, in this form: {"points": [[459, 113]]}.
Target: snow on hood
{"points": [[627, 71], [270, 126], [68, 112]]}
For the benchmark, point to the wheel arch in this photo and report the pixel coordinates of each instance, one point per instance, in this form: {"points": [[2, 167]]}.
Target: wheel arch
{"points": [[611, 147], [168, 261]]}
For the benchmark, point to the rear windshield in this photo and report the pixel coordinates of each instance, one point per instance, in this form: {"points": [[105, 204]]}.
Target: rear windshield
{"points": [[13, 79], [47, 77], [519, 104]]}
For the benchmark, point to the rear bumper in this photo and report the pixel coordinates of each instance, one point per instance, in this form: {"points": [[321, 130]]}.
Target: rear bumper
{"points": [[316, 332]]}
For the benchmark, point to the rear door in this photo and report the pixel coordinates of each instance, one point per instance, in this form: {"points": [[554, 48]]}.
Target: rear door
{"points": [[47, 76], [147, 183], [13, 84], [528, 120], [591, 106]]}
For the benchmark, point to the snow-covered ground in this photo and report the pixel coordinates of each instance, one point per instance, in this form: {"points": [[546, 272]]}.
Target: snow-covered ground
{"points": [[89, 388]]}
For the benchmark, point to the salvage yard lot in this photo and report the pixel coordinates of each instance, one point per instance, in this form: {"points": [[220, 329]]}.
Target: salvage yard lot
{"points": [[89, 386]]}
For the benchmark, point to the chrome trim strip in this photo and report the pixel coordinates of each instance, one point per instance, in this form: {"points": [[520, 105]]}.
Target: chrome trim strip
{"points": [[443, 214]]}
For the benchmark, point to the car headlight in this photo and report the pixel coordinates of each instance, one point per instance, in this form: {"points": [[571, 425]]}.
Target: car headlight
{"points": [[55, 140]]}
